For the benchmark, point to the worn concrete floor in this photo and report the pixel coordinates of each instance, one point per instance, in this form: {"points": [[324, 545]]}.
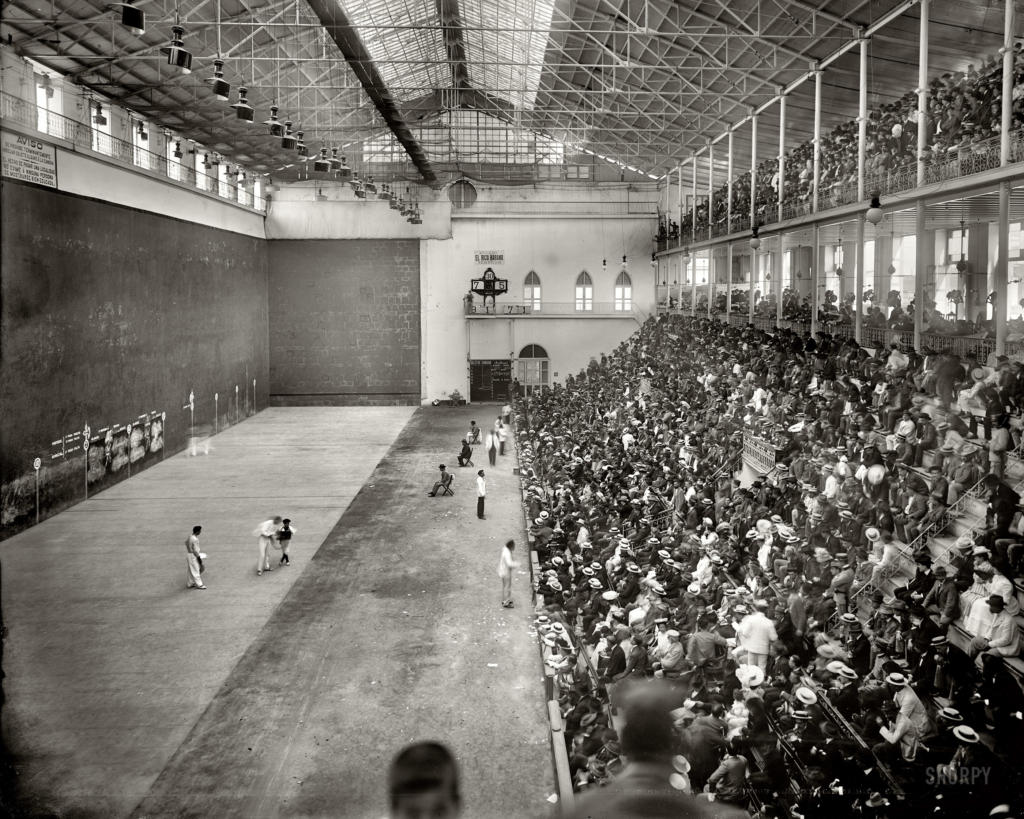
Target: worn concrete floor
{"points": [[283, 695]]}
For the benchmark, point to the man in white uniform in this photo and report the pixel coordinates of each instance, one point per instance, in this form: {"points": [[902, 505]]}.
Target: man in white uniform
{"points": [[505, 566], [266, 532]]}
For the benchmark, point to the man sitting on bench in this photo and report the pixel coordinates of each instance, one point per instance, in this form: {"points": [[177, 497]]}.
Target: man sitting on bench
{"points": [[466, 455], [444, 482]]}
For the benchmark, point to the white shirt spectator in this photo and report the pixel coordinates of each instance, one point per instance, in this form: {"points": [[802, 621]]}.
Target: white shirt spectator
{"points": [[756, 633]]}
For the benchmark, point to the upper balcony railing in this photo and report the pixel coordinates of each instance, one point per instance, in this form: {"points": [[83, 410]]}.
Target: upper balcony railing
{"points": [[599, 309], [957, 162], [123, 152]]}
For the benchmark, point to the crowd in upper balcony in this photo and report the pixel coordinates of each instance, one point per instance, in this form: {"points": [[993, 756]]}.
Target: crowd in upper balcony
{"points": [[964, 110]]}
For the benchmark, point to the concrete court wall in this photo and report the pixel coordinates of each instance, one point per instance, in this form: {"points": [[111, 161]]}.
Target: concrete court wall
{"points": [[344, 321], [110, 313]]}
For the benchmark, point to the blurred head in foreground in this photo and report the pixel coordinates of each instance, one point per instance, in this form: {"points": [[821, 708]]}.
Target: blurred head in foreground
{"points": [[423, 783]]}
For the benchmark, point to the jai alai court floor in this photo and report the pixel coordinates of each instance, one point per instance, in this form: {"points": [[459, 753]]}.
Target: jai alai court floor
{"points": [[286, 694]]}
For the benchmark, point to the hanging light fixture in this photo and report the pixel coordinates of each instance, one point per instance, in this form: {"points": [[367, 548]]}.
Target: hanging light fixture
{"points": [[359, 190], [322, 164], [98, 117], [288, 138], [243, 110], [335, 161], [47, 86], [143, 136], [132, 18], [274, 124], [221, 88], [370, 186], [354, 181], [755, 240], [300, 146], [344, 172], [177, 149], [625, 262], [395, 202], [961, 266], [177, 55]]}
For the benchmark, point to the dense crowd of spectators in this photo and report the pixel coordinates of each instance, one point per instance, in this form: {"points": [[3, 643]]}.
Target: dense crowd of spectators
{"points": [[963, 111], [837, 645]]}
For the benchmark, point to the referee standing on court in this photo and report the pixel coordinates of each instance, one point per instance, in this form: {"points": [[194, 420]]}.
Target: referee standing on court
{"points": [[481, 494]]}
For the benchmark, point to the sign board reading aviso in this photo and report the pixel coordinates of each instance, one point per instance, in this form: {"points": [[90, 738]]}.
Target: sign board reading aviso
{"points": [[29, 160]]}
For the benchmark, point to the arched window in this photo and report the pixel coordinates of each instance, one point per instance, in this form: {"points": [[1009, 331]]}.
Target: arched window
{"points": [[623, 292], [531, 292], [584, 292], [532, 370]]}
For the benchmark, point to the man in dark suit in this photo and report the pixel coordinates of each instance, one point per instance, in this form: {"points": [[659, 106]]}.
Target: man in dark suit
{"points": [[643, 787], [443, 480], [617, 656], [847, 698], [466, 455]]}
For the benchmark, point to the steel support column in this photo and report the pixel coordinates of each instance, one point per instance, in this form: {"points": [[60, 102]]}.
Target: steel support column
{"points": [[728, 270], [920, 268], [862, 134], [728, 185], [1001, 271], [782, 152], [815, 263], [817, 140], [1007, 101], [922, 105], [711, 185]]}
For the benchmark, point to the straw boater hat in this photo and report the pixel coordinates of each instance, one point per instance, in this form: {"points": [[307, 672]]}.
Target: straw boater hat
{"points": [[966, 734], [898, 680], [805, 695], [751, 676], [950, 714]]}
